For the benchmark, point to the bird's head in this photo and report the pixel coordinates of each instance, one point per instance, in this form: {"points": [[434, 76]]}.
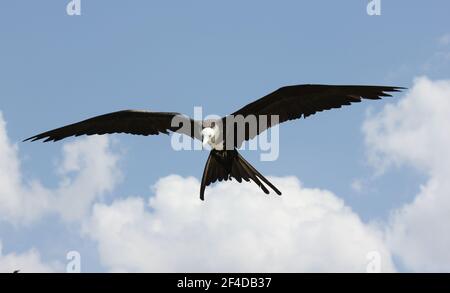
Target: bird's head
{"points": [[208, 136]]}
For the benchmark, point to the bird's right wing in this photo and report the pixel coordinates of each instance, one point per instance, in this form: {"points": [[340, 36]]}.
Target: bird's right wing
{"points": [[293, 102], [127, 121]]}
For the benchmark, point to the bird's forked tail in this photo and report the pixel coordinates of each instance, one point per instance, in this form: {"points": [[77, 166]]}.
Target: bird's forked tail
{"points": [[227, 164]]}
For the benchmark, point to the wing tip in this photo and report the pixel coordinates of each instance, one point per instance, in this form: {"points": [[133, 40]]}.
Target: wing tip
{"points": [[397, 89], [33, 138], [37, 137]]}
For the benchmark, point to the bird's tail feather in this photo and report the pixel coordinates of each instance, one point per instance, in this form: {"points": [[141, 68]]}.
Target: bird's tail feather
{"points": [[224, 165], [255, 174]]}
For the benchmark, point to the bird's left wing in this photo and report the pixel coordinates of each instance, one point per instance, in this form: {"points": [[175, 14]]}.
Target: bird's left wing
{"points": [[127, 121], [293, 102]]}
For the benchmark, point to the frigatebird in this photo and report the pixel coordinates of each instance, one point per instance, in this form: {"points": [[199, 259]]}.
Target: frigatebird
{"points": [[224, 161]]}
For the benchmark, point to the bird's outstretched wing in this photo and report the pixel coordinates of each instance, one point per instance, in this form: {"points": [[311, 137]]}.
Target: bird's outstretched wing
{"points": [[127, 121], [293, 102]]}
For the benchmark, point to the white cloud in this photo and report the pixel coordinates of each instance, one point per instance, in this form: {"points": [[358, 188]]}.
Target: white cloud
{"points": [[237, 228], [96, 173], [415, 132], [27, 262], [88, 170]]}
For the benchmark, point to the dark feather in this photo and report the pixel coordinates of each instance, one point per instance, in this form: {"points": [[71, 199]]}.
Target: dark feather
{"points": [[294, 102], [224, 165], [127, 121]]}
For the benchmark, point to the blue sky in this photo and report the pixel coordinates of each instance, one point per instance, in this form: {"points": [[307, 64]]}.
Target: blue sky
{"points": [[173, 55]]}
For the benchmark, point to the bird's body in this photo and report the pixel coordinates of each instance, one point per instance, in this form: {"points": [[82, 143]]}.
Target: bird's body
{"points": [[226, 135]]}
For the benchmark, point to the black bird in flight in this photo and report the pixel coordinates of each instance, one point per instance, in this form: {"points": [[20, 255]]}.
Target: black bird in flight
{"points": [[224, 161]]}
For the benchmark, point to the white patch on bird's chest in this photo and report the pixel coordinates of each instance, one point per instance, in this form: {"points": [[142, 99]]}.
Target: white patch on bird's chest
{"points": [[210, 136]]}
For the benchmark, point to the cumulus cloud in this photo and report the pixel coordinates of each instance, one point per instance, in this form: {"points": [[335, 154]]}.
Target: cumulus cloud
{"points": [[415, 132], [27, 262], [237, 228], [87, 171]]}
